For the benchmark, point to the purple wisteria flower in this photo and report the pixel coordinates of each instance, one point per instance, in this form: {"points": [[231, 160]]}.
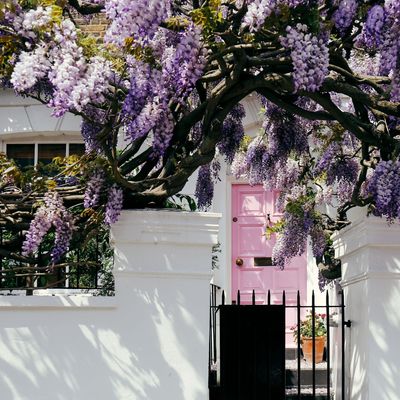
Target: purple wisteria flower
{"points": [[140, 19], [162, 134], [384, 187], [114, 204], [232, 133], [93, 189], [285, 133], [342, 169], [51, 214], [374, 25], [258, 158], [310, 56], [75, 81], [344, 15], [186, 64], [257, 12], [318, 241], [292, 241], [204, 192], [64, 227], [239, 166]]}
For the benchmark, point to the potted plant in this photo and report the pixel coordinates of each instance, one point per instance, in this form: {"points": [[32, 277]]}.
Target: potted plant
{"points": [[306, 336]]}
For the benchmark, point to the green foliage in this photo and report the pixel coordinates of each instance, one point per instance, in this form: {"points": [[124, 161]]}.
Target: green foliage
{"points": [[8, 47], [244, 144], [141, 53], [209, 16], [175, 23], [88, 261], [306, 326], [308, 14], [328, 136], [91, 260], [304, 14], [9, 278], [90, 255], [275, 228], [89, 44], [42, 176], [297, 206], [181, 202], [28, 3]]}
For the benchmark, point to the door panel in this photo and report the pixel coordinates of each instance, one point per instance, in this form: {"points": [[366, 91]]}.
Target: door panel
{"points": [[251, 207], [252, 343]]}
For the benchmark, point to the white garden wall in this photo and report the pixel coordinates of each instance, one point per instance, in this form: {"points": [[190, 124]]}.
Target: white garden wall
{"points": [[370, 254], [149, 342]]}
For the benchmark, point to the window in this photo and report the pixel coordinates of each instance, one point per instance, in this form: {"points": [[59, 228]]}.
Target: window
{"points": [[22, 154], [30, 154], [77, 148], [46, 152]]}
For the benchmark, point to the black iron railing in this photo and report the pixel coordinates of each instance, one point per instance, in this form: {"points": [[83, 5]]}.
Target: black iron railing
{"points": [[86, 267], [313, 392], [212, 356]]}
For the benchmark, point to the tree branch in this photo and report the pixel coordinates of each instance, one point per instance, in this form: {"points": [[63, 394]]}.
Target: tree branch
{"points": [[86, 9], [332, 85], [292, 108]]}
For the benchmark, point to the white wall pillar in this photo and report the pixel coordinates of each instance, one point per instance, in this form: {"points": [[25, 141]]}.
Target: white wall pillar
{"points": [[162, 273], [149, 342], [370, 254]]}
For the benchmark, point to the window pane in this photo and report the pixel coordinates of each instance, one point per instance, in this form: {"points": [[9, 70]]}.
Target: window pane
{"points": [[22, 154], [48, 151], [76, 149]]}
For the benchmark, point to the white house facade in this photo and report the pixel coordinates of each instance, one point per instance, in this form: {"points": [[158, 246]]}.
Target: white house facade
{"points": [[29, 133]]}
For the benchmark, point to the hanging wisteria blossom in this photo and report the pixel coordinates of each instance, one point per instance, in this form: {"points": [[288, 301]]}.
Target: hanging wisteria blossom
{"points": [[93, 189], [204, 188], [162, 93], [114, 205], [384, 186], [310, 58], [52, 214]]}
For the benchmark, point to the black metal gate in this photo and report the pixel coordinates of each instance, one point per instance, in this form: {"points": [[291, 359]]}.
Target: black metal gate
{"points": [[248, 356], [252, 352]]}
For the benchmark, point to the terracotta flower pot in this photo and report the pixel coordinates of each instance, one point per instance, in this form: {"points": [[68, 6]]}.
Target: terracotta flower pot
{"points": [[307, 346]]}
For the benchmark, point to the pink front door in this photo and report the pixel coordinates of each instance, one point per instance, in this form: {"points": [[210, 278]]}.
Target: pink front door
{"points": [[252, 268]]}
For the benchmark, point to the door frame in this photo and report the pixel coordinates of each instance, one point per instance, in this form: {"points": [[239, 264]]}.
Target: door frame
{"points": [[230, 182]]}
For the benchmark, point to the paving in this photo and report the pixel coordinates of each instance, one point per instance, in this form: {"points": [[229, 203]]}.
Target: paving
{"points": [[306, 379]]}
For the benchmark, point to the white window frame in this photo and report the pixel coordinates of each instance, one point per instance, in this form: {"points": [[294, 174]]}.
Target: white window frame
{"points": [[67, 140], [45, 140]]}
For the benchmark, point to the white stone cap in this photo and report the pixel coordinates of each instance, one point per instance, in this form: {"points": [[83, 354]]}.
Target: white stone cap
{"points": [[366, 231], [57, 302], [166, 226], [165, 243]]}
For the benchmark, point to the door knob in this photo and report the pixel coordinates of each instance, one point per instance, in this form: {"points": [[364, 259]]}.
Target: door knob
{"points": [[239, 262]]}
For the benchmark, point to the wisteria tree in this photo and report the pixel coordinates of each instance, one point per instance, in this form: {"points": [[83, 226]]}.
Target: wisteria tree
{"points": [[159, 97]]}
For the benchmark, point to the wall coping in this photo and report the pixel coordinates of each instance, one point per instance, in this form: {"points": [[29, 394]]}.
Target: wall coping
{"points": [[365, 276], [164, 214], [366, 231], [166, 226], [9, 303], [207, 275]]}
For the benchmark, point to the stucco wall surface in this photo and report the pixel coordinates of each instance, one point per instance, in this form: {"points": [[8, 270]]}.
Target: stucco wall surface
{"points": [[150, 341], [370, 253]]}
